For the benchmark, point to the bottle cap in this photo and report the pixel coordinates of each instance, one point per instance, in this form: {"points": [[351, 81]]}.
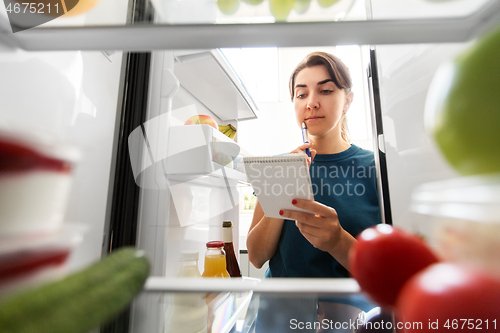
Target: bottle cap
{"points": [[189, 255], [227, 224], [214, 244]]}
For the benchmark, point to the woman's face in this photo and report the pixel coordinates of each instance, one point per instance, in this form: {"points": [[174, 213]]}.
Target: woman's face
{"points": [[318, 101]]}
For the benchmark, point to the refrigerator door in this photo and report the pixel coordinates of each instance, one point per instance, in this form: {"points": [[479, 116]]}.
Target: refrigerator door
{"points": [[404, 75], [187, 175]]}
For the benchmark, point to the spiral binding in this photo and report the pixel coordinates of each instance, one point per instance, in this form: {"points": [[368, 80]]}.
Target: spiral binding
{"points": [[273, 159]]}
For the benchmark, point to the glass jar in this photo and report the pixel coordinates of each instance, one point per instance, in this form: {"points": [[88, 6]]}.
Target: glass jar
{"points": [[215, 260], [189, 264]]}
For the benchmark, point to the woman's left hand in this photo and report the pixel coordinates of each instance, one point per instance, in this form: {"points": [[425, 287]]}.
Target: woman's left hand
{"points": [[321, 228]]}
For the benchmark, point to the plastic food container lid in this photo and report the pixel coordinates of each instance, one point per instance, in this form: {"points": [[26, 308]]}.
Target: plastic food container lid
{"points": [[189, 255], [69, 236], [474, 198], [462, 219], [43, 144]]}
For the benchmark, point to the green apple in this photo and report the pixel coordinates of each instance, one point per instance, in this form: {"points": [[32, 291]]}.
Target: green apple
{"points": [[463, 108], [326, 3], [301, 6], [228, 7], [280, 9]]}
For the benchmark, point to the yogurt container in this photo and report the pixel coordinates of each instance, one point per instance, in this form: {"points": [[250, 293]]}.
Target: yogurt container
{"points": [[461, 219], [35, 179], [29, 260]]}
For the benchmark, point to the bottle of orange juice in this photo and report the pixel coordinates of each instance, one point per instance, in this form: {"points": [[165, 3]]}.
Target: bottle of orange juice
{"points": [[215, 260]]}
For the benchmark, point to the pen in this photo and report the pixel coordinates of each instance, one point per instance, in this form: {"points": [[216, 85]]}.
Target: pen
{"points": [[305, 138]]}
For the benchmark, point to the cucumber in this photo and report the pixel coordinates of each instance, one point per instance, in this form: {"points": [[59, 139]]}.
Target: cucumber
{"points": [[80, 302]]}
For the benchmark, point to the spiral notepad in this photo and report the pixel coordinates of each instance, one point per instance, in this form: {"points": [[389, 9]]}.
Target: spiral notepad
{"points": [[277, 180]]}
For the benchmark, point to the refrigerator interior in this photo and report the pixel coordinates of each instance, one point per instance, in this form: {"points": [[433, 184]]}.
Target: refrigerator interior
{"points": [[183, 205], [75, 96], [405, 73]]}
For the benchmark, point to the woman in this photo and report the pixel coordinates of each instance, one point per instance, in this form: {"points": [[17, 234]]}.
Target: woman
{"points": [[343, 177]]}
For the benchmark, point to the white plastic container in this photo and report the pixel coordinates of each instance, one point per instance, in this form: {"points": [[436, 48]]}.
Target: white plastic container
{"points": [[186, 11], [202, 150], [461, 219], [27, 261], [187, 312], [35, 179]]}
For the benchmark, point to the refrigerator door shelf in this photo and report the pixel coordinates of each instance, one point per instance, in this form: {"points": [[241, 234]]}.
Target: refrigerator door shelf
{"points": [[407, 24], [211, 12], [223, 177], [284, 286], [272, 305], [209, 77], [224, 310], [195, 151]]}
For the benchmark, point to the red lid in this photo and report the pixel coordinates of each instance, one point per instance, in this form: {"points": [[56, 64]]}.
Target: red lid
{"points": [[214, 244], [21, 151], [18, 158]]}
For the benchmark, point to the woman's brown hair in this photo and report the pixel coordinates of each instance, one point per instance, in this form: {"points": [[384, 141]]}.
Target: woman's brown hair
{"points": [[338, 72]]}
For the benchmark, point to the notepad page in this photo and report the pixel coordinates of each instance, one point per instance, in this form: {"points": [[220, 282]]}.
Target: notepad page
{"points": [[277, 180]]}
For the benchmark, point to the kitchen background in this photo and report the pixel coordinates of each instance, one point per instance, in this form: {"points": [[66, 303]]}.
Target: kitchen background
{"points": [[266, 72]]}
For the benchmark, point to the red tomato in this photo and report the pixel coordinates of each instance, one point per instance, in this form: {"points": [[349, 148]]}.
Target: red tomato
{"points": [[450, 298], [384, 258]]}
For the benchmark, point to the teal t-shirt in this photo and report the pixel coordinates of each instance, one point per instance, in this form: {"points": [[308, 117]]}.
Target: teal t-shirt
{"points": [[346, 182]]}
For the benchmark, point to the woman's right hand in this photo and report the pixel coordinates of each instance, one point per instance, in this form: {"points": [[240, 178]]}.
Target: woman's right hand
{"points": [[300, 150]]}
